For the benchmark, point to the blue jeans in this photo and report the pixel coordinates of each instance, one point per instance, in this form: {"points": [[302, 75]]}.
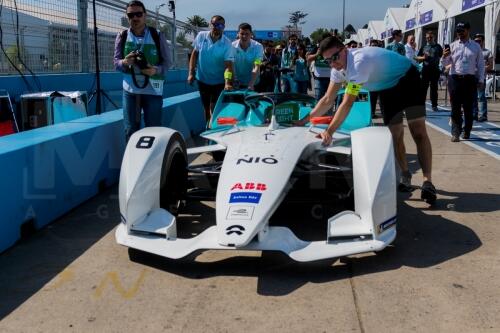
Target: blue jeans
{"points": [[132, 106], [481, 98], [301, 87], [320, 86]]}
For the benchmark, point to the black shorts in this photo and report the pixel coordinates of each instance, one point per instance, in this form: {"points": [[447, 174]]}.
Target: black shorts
{"points": [[405, 97], [209, 93]]}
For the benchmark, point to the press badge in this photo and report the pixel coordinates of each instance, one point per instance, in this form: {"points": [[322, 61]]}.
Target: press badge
{"points": [[353, 89], [157, 86]]}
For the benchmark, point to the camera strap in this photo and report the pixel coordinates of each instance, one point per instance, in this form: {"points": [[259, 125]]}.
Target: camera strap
{"points": [[134, 79]]}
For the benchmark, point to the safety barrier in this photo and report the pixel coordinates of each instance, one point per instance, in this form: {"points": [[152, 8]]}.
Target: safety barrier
{"points": [[46, 172]]}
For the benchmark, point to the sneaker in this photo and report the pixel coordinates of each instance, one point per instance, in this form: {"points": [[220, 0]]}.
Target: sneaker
{"points": [[475, 118], [428, 193], [455, 138], [405, 182], [466, 136], [435, 108], [482, 118]]}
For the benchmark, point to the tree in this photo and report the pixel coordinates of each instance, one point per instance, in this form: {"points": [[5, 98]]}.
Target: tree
{"points": [[296, 18], [181, 39], [317, 35], [350, 29], [195, 21]]}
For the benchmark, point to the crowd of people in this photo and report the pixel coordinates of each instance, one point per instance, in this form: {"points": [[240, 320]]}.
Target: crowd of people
{"points": [[398, 75]]}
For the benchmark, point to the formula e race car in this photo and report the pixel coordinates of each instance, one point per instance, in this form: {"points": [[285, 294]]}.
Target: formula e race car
{"points": [[261, 161]]}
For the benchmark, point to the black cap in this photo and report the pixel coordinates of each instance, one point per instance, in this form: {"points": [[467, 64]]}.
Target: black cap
{"points": [[462, 26]]}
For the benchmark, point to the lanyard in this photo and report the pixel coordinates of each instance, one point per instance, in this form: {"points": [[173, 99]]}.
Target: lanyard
{"points": [[139, 41]]}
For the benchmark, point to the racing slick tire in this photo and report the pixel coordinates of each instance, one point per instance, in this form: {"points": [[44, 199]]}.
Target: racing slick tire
{"points": [[174, 175]]}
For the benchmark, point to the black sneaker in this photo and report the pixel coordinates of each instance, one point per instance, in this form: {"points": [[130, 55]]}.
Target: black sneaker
{"points": [[455, 138], [466, 136], [428, 193], [405, 182], [483, 118], [435, 109]]}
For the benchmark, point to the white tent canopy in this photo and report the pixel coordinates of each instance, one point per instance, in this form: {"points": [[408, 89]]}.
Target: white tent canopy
{"points": [[375, 29], [394, 20], [424, 12], [458, 7], [492, 25], [353, 37], [363, 36]]}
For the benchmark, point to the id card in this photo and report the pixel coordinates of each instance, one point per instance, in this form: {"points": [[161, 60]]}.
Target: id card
{"points": [[353, 89], [157, 86]]}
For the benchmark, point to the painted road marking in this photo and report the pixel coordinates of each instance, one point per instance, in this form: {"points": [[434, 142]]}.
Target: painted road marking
{"points": [[485, 136]]}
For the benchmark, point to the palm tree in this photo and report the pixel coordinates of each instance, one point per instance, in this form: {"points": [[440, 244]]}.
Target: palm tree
{"points": [[195, 21], [296, 18]]}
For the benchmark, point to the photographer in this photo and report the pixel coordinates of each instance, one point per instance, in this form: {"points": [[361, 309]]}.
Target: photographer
{"points": [[142, 54]]}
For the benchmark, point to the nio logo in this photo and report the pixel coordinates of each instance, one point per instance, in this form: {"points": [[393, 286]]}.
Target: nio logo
{"points": [[256, 160], [249, 186], [235, 229]]}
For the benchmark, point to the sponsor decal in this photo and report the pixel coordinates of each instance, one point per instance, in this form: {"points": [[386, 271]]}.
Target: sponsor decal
{"points": [[235, 229], [426, 17], [245, 197], [468, 4], [386, 225], [256, 160], [249, 186], [240, 213], [411, 23]]}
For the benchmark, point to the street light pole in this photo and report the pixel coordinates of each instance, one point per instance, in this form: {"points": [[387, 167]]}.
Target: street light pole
{"points": [[171, 6], [343, 17], [158, 16]]}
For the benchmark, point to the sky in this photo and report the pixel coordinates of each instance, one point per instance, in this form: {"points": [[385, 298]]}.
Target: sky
{"points": [[273, 15]]}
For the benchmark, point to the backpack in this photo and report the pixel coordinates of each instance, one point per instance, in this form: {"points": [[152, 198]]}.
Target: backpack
{"points": [[154, 34]]}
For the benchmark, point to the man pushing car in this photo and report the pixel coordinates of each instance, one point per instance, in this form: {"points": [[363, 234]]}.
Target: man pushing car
{"points": [[398, 82]]}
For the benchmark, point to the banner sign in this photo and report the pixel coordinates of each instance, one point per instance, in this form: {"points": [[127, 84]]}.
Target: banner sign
{"points": [[411, 23], [258, 34], [426, 17], [468, 4]]}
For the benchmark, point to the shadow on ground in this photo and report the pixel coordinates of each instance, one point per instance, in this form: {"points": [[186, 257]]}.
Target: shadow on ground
{"points": [[33, 262], [423, 241]]}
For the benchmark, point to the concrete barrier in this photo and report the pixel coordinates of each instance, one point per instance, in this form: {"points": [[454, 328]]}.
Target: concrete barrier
{"points": [[46, 172], [111, 83]]}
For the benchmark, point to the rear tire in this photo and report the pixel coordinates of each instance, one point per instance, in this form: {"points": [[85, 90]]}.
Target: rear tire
{"points": [[174, 175]]}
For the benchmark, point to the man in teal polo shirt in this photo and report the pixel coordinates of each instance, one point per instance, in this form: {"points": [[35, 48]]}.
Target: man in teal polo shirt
{"points": [[211, 64], [248, 55]]}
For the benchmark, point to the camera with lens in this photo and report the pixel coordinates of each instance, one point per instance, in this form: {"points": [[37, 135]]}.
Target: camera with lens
{"points": [[140, 59]]}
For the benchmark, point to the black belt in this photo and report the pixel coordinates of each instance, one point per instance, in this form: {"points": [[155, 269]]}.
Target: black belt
{"points": [[462, 76]]}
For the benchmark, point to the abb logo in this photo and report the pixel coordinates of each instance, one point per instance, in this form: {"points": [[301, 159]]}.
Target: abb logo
{"points": [[249, 186]]}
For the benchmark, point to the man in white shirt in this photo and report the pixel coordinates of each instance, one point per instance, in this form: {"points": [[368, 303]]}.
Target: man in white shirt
{"points": [[466, 76], [411, 49], [377, 69], [248, 55]]}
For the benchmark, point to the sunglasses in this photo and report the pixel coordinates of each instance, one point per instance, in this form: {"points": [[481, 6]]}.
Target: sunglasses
{"points": [[134, 14], [218, 26], [334, 57]]}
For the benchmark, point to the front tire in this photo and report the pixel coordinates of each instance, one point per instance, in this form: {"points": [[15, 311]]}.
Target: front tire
{"points": [[174, 175]]}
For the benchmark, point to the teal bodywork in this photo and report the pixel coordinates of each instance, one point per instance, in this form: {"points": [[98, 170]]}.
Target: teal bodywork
{"points": [[289, 108]]}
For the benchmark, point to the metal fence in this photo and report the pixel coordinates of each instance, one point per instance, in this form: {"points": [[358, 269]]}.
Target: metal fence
{"points": [[54, 36]]}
